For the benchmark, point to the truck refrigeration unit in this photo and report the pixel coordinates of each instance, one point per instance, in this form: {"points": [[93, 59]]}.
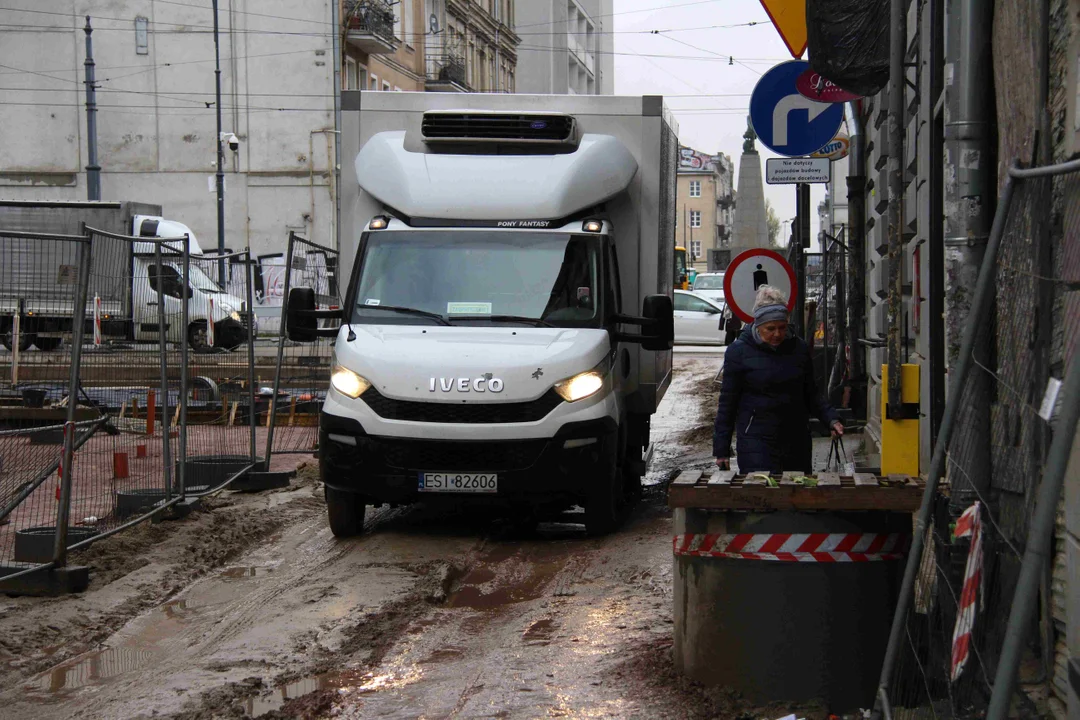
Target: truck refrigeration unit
{"points": [[123, 279], [507, 329]]}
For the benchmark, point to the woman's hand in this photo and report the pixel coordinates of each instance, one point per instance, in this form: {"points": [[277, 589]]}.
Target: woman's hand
{"points": [[837, 429], [723, 463]]}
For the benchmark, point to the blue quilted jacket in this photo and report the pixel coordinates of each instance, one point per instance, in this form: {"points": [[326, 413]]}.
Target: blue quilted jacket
{"points": [[767, 398]]}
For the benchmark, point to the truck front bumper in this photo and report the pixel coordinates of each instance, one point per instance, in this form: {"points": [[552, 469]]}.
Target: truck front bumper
{"points": [[530, 471]]}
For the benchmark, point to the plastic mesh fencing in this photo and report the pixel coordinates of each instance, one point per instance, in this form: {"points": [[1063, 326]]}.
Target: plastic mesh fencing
{"points": [[995, 457], [40, 277], [303, 369]]}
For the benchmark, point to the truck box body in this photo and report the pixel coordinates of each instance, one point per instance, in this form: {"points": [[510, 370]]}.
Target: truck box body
{"points": [[498, 249], [643, 215]]}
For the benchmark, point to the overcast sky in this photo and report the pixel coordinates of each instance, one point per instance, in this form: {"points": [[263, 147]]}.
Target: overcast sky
{"points": [[709, 124]]}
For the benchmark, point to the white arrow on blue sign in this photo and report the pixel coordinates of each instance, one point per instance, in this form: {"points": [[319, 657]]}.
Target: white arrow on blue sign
{"points": [[787, 122]]}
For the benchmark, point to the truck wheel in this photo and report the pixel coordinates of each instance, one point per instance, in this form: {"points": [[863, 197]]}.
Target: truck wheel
{"points": [[47, 343], [605, 497], [26, 339], [346, 512], [198, 338]]}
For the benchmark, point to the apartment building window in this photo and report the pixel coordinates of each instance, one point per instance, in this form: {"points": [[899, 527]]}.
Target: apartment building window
{"points": [[385, 86], [374, 82], [350, 74], [695, 249], [695, 188], [405, 7], [695, 218]]}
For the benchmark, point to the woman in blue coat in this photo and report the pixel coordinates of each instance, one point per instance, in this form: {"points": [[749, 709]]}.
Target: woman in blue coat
{"points": [[768, 395]]}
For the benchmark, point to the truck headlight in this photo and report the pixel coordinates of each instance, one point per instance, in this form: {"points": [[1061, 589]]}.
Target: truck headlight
{"points": [[235, 316], [348, 383], [584, 384]]}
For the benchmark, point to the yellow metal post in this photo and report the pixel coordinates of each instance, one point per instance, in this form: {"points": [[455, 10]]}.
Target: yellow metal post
{"points": [[900, 438]]}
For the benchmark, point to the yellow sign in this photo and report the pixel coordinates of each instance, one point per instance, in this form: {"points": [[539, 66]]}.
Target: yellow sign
{"points": [[789, 19]]}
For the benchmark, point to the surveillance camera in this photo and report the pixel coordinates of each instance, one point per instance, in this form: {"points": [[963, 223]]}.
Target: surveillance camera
{"points": [[231, 140]]}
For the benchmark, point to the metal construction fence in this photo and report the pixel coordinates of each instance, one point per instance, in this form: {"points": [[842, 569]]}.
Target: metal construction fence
{"points": [[984, 550], [127, 385], [302, 372]]}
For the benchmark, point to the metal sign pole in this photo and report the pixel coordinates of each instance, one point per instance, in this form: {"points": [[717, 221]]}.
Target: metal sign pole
{"points": [[250, 306]]}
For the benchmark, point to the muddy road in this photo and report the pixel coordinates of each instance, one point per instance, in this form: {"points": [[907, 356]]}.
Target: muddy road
{"points": [[251, 608]]}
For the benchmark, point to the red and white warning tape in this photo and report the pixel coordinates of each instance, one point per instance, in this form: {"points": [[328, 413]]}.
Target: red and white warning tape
{"points": [[969, 525], [795, 547]]}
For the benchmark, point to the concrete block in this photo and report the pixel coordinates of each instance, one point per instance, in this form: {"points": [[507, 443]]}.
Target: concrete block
{"points": [[48, 583]]}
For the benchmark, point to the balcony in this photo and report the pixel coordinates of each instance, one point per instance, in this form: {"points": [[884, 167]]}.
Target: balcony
{"points": [[446, 73], [369, 26]]}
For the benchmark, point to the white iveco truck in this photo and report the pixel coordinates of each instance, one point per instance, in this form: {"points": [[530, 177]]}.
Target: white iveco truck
{"points": [[507, 328]]}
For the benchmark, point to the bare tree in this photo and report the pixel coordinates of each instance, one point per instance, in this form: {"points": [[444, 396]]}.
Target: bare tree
{"points": [[773, 224]]}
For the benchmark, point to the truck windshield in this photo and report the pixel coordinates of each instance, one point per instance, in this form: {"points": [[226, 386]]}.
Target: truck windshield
{"points": [[200, 281], [473, 277]]}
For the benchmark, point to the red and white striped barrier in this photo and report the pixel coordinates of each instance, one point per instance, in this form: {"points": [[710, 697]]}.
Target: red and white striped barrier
{"points": [[210, 325], [794, 547], [97, 320], [969, 525]]}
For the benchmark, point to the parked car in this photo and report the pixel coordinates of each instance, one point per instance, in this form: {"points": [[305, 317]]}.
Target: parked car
{"points": [[696, 322], [710, 286]]}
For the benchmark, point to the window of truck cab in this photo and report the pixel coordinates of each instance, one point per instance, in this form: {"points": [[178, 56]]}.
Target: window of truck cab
{"points": [[465, 276]]}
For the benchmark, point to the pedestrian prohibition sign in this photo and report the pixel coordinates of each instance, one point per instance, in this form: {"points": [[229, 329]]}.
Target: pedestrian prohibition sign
{"points": [[786, 121], [749, 271]]}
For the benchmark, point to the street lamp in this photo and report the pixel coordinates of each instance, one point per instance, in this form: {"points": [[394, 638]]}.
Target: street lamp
{"points": [[220, 175]]}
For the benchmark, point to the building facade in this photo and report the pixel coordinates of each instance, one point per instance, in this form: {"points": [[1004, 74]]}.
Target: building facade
{"points": [[433, 45], [705, 203], [567, 47], [157, 120]]}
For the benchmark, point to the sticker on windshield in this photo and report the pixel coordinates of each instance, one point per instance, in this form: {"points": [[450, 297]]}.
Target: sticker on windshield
{"points": [[468, 308], [372, 301]]}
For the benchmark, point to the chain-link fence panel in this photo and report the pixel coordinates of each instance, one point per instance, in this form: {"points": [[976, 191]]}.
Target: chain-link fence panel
{"points": [[42, 310], [945, 662], [302, 369], [220, 398]]}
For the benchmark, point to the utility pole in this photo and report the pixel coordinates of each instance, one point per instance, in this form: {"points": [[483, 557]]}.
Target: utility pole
{"points": [[220, 154], [93, 170], [895, 347]]}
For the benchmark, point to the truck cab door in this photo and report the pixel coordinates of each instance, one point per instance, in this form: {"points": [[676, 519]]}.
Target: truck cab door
{"points": [[613, 306], [148, 288]]}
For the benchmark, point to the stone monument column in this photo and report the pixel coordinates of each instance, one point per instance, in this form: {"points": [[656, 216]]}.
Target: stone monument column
{"points": [[751, 229]]}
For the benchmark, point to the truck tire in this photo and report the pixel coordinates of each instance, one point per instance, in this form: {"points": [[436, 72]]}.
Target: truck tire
{"points": [[26, 339], [345, 511], [605, 497], [197, 337], [47, 344]]}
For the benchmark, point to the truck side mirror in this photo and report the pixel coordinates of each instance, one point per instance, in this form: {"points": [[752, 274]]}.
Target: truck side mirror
{"points": [[302, 317], [300, 321], [659, 333]]}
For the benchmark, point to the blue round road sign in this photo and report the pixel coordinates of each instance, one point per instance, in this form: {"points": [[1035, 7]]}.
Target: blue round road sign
{"points": [[787, 122]]}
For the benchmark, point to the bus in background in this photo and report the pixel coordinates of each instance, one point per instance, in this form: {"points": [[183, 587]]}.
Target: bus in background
{"points": [[682, 280]]}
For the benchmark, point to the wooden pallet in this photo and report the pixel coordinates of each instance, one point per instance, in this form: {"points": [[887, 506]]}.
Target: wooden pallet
{"points": [[724, 490]]}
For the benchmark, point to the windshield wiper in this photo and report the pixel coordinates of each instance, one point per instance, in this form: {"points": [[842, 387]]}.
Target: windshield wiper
{"points": [[411, 311], [506, 318]]}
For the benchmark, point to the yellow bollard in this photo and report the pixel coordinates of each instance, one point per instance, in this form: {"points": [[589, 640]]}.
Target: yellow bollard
{"points": [[900, 438]]}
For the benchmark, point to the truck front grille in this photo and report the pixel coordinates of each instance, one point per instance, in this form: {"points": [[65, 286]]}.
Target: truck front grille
{"points": [[473, 412], [439, 456]]}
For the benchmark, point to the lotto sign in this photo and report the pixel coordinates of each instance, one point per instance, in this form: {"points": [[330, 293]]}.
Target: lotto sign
{"points": [[749, 271]]}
